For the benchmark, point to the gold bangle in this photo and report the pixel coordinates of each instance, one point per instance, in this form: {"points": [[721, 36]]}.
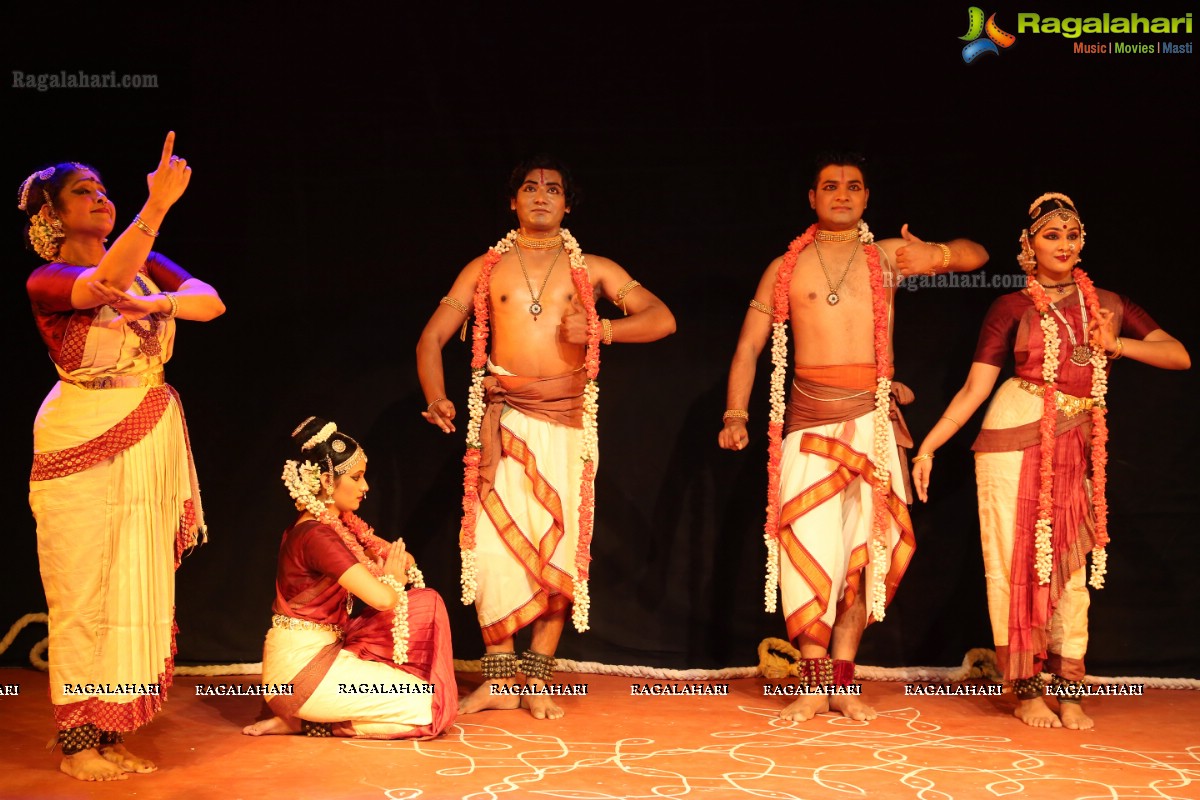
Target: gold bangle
{"points": [[455, 304], [626, 289], [1120, 351], [921, 457], [952, 419], [174, 304], [763, 307], [606, 327], [429, 407], [945, 256], [735, 413], [143, 227]]}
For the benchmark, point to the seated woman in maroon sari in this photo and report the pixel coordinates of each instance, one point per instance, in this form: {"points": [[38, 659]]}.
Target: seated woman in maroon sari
{"points": [[387, 673]]}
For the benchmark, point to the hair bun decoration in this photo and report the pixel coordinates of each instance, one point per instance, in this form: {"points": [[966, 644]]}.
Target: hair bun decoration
{"points": [[320, 436], [23, 194], [300, 427], [318, 431]]}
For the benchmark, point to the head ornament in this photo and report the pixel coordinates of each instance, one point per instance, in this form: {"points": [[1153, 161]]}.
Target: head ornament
{"points": [[23, 193]]}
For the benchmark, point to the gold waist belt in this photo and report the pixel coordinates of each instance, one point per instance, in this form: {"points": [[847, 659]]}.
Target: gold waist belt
{"points": [[1068, 404], [293, 624], [152, 378]]}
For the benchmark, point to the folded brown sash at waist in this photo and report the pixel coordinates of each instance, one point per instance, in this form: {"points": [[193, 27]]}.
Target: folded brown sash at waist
{"points": [[557, 399], [854, 376], [811, 404]]}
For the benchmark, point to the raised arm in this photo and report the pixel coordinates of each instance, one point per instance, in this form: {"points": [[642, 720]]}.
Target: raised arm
{"points": [[197, 301], [980, 382], [194, 300], [756, 329], [130, 250], [448, 319], [1158, 348], [646, 318], [913, 256]]}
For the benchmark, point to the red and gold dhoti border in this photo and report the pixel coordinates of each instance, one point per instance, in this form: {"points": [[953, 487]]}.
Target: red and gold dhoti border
{"points": [[1035, 627], [826, 485], [114, 492], [529, 489]]}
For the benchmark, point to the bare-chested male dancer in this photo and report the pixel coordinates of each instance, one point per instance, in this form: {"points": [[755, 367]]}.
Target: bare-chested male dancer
{"points": [[531, 455]]}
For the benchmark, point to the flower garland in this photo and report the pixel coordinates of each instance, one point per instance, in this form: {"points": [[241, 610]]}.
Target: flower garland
{"points": [[303, 481], [779, 357], [883, 439], [1043, 558], [476, 406], [883, 427]]}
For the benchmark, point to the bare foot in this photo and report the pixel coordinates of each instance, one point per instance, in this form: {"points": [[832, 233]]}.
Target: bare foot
{"points": [[852, 707], [805, 707], [127, 761], [541, 706], [1036, 714], [484, 699], [1074, 718], [272, 727], [89, 765]]}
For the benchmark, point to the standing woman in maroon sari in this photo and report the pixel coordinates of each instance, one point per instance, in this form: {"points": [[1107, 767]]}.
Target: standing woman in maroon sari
{"points": [[1040, 458], [394, 657], [113, 487]]}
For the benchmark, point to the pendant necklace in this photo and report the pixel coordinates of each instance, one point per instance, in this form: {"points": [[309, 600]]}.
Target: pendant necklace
{"points": [[1081, 354], [832, 298], [151, 346], [1061, 288], [535, 308]]}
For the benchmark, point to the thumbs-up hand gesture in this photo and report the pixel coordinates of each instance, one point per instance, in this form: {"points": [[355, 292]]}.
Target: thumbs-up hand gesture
{"points": [[915, 256], [573, 328]]}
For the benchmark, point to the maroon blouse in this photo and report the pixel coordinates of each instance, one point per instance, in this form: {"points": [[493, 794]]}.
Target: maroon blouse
{"points": [[1012, 325], [311, 559], [49, 287]]}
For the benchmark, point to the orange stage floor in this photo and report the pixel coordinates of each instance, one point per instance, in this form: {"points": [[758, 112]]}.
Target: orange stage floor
{"points": [[614, 745]]}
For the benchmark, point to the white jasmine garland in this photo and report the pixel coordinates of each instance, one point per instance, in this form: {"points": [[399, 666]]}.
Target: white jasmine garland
{"points": [[582, 606], [399, 619], [1043, 532], [864, 233], [884, 446], [470, 576], [303, 482], [779, 356], [320, 436]]}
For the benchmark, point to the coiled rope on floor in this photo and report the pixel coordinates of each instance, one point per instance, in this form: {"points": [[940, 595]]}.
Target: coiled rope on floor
{"points": [[969, 666]]}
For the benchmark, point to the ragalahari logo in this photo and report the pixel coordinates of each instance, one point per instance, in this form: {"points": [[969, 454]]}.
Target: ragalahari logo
{"points": [[976, 27]]}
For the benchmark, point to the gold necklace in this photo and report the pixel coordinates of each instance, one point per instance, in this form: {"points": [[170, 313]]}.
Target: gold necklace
{"points": [[837, 236], [832, 298], [1081, 354], [535, 308], [539, 244]]}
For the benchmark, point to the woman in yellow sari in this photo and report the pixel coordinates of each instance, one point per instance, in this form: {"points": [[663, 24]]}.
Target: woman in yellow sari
{"points": [[113, 487]]}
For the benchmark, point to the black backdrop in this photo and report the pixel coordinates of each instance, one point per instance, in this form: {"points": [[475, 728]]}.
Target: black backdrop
{"points": [[349, 161]]}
